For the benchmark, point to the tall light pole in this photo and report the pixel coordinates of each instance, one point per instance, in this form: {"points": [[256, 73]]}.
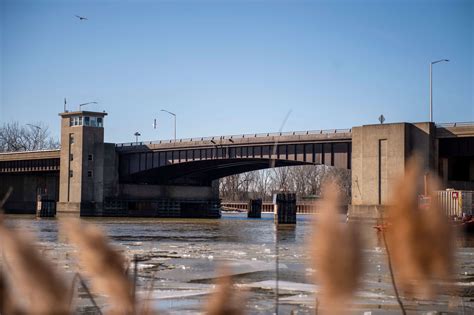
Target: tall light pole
{"points": [[136, 134], [174, 115], [34, 126], [37, 142], [431, 85]]}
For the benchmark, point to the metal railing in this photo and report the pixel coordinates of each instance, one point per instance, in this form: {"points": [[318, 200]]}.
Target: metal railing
{"points": [[241, 136], [455, 124], [32, 151]]}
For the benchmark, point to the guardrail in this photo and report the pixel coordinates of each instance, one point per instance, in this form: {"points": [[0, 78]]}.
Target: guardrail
{"points": [[32, 151], [455, 124], [242, 136], [268, 207]]}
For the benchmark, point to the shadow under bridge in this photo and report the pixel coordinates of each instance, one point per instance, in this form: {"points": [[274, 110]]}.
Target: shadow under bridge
{"points": [[200, 166]]}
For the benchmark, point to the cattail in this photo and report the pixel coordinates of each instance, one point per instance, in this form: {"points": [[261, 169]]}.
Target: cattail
{"points": [[7, 304], [336, 253], [103, 264], [44, 290], [420, 240], [225, 300]]}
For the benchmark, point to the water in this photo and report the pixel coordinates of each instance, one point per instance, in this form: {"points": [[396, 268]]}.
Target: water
{"points": [[179, 258]]}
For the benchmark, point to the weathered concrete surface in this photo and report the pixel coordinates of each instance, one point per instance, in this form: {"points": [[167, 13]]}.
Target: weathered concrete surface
{"points": [[379, 156], [82, 165]]}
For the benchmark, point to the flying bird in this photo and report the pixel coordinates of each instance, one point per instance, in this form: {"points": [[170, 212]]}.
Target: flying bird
{"points": [[81, 17]]}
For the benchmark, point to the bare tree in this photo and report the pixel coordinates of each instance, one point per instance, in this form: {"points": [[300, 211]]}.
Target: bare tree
{"points": [[263, 183], [15, 137], [305, 181], [281, 179]]}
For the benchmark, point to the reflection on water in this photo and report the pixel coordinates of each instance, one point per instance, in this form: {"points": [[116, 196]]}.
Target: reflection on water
{"points": [[182, 254]]}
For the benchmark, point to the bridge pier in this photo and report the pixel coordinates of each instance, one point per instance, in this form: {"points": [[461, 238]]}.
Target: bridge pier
{"points": [[285, 209], [254, 209], [379, 155]]}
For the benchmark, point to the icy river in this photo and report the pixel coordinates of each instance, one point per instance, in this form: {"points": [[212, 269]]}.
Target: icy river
{"points": [[181, 256]]}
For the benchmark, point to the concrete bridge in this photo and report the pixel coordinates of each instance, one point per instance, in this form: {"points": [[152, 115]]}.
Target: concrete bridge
{"points": [[179, 178]]}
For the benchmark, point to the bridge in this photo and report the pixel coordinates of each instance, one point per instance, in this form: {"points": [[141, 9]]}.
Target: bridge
{"points": [[180, 178], [199, 161]]}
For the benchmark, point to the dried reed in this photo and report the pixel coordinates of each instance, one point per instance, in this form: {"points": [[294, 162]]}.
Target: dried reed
{"points": [[225, 300], [38, 283], [420, 240], [336, 253], [7, 303], [104, 265]]}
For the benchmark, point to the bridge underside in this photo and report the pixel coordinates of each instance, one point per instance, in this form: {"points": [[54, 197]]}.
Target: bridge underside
{"points": [[202, 165], [456, 162], [26, 187], [203, 172]]}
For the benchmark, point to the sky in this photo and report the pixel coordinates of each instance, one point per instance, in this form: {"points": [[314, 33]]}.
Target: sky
{"points": [[233, 67]]}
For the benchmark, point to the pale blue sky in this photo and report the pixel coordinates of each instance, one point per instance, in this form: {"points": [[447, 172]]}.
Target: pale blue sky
{"points": [[236, 67]]}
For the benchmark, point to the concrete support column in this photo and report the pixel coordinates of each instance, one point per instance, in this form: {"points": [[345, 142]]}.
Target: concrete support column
{"points": [[255, 208], [379, 155], [285, 208]]}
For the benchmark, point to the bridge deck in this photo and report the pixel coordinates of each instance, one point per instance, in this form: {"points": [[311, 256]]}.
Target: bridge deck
{"points": [[455, 130], [339, 135], [29, 161], [30, 155]]}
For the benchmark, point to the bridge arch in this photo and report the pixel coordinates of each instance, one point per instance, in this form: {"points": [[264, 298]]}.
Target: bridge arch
{"points": [[203, 172]]}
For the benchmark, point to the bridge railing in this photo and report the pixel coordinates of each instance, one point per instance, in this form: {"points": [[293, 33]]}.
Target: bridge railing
{"points": [[30, 151], [268, 207], [241, 136], [456, 124]]}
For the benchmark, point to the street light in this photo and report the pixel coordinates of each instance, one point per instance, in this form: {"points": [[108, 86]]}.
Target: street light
{"points": [[34, 126], [36, 137], [174, 115], [83, 104], [431, 85], [136, 134]]}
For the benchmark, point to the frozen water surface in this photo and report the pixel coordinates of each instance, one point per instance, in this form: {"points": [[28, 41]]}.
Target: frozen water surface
{"points": [[178, 258]]}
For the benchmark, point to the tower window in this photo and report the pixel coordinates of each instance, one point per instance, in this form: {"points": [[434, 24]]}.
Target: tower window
{"points": [[90, 157], [75, 121], [87, 121], [89, 173], [71, 157], [70, 173], [71, 138]]}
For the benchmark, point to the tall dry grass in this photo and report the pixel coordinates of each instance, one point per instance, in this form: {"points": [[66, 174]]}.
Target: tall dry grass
{"points": [[103, 264], [225, 299], [7, 304], [421, 241], [336, 252], [36, 285]]}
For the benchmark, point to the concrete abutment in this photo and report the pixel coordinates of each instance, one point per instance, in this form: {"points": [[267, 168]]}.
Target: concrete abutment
{"points": [[379, 156]]}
